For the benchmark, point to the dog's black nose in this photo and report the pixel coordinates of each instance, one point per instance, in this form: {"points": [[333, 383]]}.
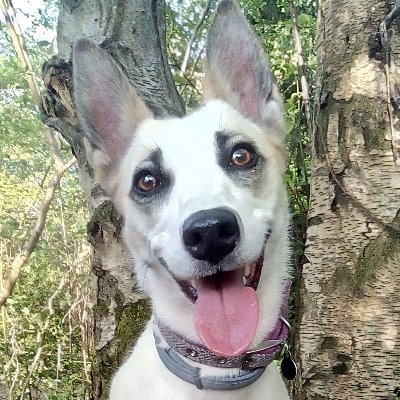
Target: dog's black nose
{"points": [[210, 235]]}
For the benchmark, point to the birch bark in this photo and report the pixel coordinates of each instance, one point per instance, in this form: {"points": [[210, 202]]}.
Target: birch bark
{"points": [[349, 333]]}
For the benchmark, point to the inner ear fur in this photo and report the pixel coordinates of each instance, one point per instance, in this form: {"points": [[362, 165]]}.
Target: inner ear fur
{"points": [[108, 107], [238, 71]]}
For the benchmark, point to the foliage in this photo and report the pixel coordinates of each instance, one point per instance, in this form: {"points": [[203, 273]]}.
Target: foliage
{"points": [[61, 258], [182, 18]]}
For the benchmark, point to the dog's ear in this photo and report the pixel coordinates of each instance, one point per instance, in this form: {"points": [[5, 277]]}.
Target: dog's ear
{"points": [[238, 71], [108, 107]]}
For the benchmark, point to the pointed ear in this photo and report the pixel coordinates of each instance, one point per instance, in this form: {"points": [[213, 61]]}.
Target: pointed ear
{"points": [[238, 71], [108, 107]]}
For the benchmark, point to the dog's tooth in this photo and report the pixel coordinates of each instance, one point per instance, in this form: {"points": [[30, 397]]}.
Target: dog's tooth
{"points": [[246, 270], [253, 266]]}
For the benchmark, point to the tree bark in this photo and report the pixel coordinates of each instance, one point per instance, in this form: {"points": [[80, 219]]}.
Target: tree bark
{"points": [[133, 31], [349, 333]]}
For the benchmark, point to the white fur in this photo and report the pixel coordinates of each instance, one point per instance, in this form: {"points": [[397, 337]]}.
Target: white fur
{"points": [[188, 150], [144, 377]]}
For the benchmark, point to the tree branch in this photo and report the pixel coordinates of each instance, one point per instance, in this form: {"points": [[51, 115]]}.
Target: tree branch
{"points": [[41, 337], [193, 37], [18, 41], [20, 260], [302, 69], [8, 11]]}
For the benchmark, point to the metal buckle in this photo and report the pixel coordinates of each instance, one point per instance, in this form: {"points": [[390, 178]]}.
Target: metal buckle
{"points": [[286, 322], [269, 344], [266, 345]]}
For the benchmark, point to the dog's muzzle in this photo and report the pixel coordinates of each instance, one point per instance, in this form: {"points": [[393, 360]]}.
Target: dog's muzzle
{"points": [[210, 235], [224, 297], [251, 274]]}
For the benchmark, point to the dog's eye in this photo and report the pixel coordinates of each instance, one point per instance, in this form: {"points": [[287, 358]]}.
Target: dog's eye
{"points": [[244, 157], [146, 182]]}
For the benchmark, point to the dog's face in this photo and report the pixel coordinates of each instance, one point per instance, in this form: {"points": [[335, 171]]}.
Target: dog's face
{"points": [[202, 196], [183, 178]]}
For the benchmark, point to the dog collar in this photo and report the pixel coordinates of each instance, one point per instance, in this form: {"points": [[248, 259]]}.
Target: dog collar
{"points": [[180, 368], [261, 356], [251, 364]]}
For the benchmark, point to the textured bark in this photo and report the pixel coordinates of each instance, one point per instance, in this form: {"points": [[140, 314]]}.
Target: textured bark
{"points": [[349, 333], [133, 31]]}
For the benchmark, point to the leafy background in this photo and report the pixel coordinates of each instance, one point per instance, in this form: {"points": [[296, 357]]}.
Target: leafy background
{"points": [[45, 338]]}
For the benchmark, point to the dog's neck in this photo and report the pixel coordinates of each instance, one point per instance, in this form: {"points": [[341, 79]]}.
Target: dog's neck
{"points": [[176, 352]]}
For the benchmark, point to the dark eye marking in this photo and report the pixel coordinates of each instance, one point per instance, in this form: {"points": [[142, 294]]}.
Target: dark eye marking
{"points": [[235, 152], [150, 181], [240, 158]]}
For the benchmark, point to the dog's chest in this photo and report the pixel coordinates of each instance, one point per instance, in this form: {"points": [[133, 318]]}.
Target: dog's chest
{"points": [[144, 373]]}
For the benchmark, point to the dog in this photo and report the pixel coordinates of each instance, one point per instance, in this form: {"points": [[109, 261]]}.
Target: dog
{"points": [[205, 218]]}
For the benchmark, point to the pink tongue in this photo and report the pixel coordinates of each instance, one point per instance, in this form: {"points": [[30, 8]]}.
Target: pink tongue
{"points": [[226, 313]]}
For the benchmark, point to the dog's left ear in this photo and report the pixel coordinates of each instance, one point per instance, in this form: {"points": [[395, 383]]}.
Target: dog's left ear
{"points": [[238, 72], [108, 107]]}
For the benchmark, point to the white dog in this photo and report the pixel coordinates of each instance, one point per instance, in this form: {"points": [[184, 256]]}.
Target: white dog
{"points": [[206, 219]]}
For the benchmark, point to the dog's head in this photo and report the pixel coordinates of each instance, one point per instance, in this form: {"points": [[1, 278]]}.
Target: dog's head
{"points": [[202, 196]]}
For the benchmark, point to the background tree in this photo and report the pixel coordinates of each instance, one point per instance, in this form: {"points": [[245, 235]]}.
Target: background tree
{"points": [[349, 341]]}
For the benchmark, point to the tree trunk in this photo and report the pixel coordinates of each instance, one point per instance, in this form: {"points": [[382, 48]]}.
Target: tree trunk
{"points": [[133, 31], [349, 333]]}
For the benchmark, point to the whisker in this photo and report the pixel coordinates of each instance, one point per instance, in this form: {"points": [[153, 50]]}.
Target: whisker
{"points": [[145, 273]]}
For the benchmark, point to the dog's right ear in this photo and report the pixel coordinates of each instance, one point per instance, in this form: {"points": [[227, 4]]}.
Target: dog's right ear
{"points": [[108, 108], [239, 73]]}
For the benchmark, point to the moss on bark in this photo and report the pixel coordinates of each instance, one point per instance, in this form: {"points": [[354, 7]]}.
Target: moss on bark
{"points": [[131, 320]]}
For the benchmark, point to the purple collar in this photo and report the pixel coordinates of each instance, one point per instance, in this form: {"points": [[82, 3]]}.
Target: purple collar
{"points": [[267, 351]]}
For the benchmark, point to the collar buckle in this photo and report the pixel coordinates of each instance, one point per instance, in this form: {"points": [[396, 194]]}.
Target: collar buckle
{"points": [[269, 344], [266, 345]]}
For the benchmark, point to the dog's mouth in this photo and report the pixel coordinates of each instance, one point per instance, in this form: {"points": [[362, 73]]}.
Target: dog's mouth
{"points": [[226, 307], [250, 274]]}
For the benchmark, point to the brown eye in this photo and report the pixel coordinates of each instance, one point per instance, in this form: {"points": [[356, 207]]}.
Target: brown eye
{"points": [[242, 157], [146, 182]]}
